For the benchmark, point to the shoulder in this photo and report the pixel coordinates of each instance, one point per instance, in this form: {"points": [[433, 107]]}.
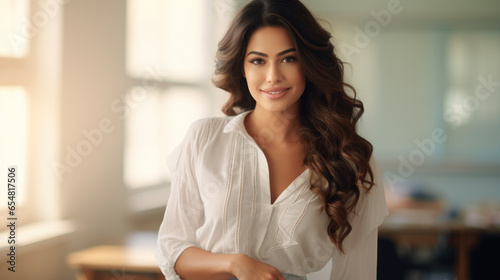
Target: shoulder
{"points": [[195, 140], [210, 124], [204, 129], [216, 123]]}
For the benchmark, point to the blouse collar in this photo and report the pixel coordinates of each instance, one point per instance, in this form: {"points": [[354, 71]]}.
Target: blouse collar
{"points": [[237, 123]]}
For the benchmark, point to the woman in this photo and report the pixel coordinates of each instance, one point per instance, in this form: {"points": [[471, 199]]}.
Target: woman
{"points": [[284, 183]]}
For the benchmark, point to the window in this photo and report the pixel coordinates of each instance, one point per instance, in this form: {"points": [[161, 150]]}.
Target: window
{"points": [[155, 127], [13, 143], [472, 102], [13, 97], [170, 50], [436, 110], [14, 39], [30, 55]]}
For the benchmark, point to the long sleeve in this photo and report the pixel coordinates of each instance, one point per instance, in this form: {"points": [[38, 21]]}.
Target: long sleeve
{"points": [[360, 246], [184, 212]]}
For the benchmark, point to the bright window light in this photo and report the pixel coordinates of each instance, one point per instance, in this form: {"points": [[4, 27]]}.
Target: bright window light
{"points": [[155, 125], [13, 138], [472, 103], [15, 28], [169, 35]]}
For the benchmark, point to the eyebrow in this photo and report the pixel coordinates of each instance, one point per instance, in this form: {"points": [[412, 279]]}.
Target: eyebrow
{"points": [[279, 54]]}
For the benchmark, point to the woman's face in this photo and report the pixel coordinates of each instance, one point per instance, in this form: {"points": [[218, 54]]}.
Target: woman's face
{"points": [[274, 75]]}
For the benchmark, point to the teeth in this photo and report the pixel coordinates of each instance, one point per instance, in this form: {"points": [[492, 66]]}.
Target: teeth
{"points": [[275, 92]]}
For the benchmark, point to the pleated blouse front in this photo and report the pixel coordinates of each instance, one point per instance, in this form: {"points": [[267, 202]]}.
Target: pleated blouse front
{"points": [[220, 201]]}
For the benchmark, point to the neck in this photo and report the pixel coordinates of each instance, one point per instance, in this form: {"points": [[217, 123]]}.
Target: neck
{"points": [[273, 127]]}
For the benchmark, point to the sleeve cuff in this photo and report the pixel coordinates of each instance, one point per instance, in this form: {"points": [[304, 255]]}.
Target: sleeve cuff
{"points": [[167, 265]]}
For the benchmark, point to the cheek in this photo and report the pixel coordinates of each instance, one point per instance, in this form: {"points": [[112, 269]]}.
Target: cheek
{"points": [[297, 76], [253, 78]]}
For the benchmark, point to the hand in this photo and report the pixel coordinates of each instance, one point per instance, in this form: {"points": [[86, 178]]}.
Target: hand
{"points": [[246, 268]]}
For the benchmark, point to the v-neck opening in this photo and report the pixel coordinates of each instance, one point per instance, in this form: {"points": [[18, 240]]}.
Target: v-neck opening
{"points": [[290, 188]]}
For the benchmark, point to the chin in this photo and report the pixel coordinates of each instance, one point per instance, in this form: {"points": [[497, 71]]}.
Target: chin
{"points": [[279, 108]]}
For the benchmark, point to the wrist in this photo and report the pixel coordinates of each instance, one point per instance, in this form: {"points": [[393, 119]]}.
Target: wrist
{"points": [[233, 260]]}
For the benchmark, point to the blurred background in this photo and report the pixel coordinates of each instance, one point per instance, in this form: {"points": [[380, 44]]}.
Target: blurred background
{"points": [[95, 94]]}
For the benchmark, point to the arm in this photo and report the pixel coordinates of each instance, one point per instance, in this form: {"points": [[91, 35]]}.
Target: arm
{"points": [[184, 213], [195, 263]]}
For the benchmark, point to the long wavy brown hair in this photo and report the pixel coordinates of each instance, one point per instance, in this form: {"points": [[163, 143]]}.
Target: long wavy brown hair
{"points": [[337, 156]]}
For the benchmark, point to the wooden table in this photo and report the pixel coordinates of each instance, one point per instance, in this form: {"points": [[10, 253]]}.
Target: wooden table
{"points": [[462, 236], [116, 263]]}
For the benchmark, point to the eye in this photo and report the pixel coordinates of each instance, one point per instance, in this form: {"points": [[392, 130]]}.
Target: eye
{"points": [[256, 61], [289, 59]]}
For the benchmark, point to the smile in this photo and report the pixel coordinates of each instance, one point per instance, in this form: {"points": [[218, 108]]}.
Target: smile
{"points": [[275, 93]]}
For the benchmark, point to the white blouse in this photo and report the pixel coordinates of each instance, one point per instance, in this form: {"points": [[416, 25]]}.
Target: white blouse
{"points": [[220, 201]]}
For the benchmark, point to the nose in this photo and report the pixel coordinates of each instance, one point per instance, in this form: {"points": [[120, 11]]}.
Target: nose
{"points": [[274, 74]]}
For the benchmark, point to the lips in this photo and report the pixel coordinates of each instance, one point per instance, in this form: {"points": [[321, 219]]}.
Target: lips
{"points": [[275, 93], [275, 90]]}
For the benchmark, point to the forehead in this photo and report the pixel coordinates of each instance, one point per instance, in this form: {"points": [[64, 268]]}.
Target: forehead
{"points": [[270, 40]]}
